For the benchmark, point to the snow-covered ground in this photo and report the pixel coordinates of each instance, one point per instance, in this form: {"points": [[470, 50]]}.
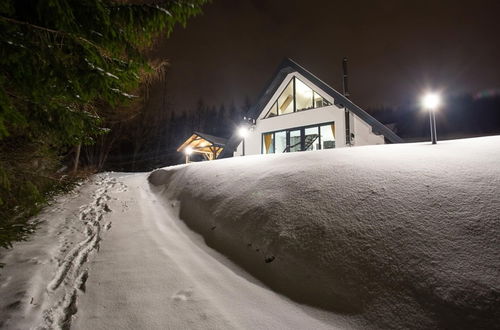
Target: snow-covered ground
{"points": [[113, 255], [394, 236]]}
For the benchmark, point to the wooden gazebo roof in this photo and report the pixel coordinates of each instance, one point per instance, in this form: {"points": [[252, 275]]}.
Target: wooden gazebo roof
{"points": [[208, 145]]}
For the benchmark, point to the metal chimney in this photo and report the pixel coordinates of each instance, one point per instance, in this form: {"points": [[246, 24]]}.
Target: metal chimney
{"points": [[345, 91], [345, 87]]}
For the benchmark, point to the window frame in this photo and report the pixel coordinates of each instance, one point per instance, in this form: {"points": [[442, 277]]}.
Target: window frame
{"points": [[275, 103], [302, 137]]}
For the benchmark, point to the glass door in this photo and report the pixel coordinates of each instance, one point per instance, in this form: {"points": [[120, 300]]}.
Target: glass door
{"points": [[295, 140]]}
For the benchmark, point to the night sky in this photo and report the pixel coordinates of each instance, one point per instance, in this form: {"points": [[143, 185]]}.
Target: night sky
{"points": [[395, 48]]}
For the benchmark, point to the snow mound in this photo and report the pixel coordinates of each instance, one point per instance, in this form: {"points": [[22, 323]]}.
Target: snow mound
{"points": [[405, 236]]}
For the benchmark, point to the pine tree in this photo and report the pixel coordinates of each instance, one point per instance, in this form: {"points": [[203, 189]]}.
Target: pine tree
{"points": [[60, 60], [65, 67]]}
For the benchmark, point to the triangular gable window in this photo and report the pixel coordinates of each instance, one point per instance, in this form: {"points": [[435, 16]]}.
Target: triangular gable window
{"points": [[296, 96]]}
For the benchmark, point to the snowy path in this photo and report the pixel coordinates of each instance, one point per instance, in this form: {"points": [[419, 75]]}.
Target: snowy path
{"points": [[153, 272], [114, 256]]}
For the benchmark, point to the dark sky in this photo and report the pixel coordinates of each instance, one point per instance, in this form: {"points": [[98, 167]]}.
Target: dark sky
{"points": [[396, 48]]}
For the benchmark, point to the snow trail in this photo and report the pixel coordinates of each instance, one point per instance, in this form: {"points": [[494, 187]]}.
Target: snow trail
{"points": [[45, 275], [160, 274], [71, 274]]}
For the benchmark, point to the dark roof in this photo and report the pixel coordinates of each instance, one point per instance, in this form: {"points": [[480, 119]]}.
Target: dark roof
{"points": [[289, 66], [215, 140]]}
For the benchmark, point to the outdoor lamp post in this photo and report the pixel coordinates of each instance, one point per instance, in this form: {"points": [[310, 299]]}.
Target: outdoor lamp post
{"points": [[188, 151], [243, 132], [431, 102]]}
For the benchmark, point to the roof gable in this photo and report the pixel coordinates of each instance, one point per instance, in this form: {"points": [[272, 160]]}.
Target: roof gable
{"points": [[200, 140], [289, 66], [295, 93]]}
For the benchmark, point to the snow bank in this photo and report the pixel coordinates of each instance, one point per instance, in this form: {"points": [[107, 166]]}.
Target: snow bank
{"points": [[403, 235]]}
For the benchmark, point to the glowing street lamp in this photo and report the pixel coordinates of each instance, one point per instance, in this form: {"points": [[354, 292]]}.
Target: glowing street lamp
{"points": [[431, 102], [243, 132]]}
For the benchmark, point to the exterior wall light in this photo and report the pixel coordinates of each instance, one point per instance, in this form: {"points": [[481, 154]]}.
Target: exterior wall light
{"points": [[247, 125], [243, 131]]}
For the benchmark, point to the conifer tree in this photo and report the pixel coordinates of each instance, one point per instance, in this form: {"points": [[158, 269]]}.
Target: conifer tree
{"points": [[62, 59], [65, 66]]}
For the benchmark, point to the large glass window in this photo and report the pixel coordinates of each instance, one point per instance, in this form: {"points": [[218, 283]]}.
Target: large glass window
{"points": [[303, 96], [319, 101], [268, 143], [295, 140], [280, 142], [298, 139], [327, 136], [311, 138], [286, 100], [296, 96], [274, 110]]}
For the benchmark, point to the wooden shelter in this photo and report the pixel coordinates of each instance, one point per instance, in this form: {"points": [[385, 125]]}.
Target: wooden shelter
{"points": [[205, 144]]}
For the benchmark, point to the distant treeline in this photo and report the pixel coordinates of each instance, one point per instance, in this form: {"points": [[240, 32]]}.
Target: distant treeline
{"points": [[150, 139]]}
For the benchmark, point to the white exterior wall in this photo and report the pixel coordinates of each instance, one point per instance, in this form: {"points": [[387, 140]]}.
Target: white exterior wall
{"points": [[362, 131], [363, 134]]}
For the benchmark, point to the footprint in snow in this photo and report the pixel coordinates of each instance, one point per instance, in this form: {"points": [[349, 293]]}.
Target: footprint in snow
{"points": [[183, 295]]}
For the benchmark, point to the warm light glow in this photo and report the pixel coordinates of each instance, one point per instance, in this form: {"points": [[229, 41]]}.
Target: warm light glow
{"points": [[188, 150], [431, 101], [243, 131]]}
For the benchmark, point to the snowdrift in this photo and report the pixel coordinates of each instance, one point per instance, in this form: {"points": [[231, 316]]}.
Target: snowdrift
{"points": [[401, 235]]}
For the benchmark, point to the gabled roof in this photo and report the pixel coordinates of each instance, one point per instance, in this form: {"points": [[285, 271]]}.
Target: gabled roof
{"points": [[202, 141], [289, 66], [218, 141]]}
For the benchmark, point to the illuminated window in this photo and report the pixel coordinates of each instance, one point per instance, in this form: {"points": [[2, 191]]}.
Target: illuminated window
{"points": [[311, 138], [314, 137], [296, 96], [280, 139], [268, 143], [286, 102], [319, 101], [327, 136], [295, 143], [303, 95]]}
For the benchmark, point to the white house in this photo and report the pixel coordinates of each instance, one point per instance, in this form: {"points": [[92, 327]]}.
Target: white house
{"points": [[299, 112]]}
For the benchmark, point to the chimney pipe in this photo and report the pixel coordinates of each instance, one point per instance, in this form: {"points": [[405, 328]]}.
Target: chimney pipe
{"points": [[345, 87], [345, 90]]}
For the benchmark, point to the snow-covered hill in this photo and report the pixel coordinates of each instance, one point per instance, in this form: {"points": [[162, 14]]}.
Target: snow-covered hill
{"points": [[395, 236], [406, 236]]}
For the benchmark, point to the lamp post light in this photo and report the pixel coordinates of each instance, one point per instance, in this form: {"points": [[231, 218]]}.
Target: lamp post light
{"points": [[188, 151], [243, 132], [431, 102]]}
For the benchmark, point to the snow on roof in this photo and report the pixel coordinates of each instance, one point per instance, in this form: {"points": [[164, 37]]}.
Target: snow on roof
{"points": [[402, 234]]}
